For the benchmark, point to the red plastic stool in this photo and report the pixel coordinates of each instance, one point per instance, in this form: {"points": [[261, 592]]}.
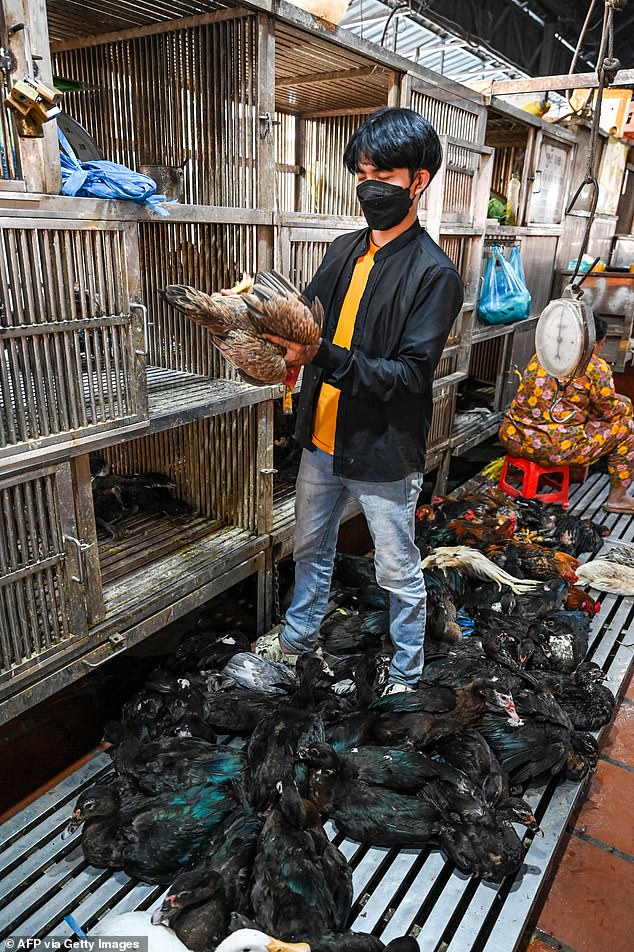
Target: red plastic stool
{"points": [[556, 478]]}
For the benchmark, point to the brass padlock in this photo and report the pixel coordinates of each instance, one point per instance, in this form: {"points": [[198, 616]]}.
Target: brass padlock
{"points": [[34, 103]]}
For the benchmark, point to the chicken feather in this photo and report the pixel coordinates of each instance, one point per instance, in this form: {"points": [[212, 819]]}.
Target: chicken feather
{"points": [[475, 563], [237, 321]]}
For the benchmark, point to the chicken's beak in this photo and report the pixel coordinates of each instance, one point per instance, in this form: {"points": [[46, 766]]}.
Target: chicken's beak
{"points": [[74, 823], [276, 945]]}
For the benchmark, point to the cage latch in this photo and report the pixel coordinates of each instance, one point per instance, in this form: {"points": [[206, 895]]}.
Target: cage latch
{"points": [[136, 305], [266, 124], [80, 547], [115, 639]]}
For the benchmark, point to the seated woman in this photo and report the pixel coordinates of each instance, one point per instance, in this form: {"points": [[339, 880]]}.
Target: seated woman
{"points": [[589, 421]]}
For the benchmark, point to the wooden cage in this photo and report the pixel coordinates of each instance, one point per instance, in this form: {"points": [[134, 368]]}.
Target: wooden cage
{"points": [[68, 587], [148, 101], [72, 357]]}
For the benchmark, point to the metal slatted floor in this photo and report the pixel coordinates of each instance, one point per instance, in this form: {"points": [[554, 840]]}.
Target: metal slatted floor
{"points": [[42, 879]]}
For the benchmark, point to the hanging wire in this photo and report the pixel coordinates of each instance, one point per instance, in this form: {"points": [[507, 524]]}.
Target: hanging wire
{"points": [[607, 68], [575, 57]]}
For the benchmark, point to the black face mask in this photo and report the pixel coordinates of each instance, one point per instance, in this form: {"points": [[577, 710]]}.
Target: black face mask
{"points": [[384, 205]]}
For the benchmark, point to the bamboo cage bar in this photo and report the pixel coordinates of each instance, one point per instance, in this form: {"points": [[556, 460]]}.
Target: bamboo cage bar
{"points": [[68, 339], [206, 255], [185, 97], [210, 461], [39, 610]]}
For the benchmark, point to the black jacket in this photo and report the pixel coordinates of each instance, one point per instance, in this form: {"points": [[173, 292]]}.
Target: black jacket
{"points": [[411, 300]]}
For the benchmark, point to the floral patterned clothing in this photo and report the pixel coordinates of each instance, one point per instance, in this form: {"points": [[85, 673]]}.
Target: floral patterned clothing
{"points": [[590, 421]]}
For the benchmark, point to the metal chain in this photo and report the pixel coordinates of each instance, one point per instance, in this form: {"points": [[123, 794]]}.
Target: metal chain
{"points": [[275, 580]]}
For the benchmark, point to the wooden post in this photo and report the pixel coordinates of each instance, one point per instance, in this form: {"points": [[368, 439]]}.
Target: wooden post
{"points": [[87, 533], [29, 43], [436, 193], [300, 162], [266, 136], [394, 88]]}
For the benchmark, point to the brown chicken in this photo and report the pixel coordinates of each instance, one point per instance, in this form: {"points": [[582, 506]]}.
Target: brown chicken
{"points": [[237, 321]]}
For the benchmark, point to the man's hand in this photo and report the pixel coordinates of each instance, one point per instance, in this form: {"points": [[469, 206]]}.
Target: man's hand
{"points": [[296, 354]]}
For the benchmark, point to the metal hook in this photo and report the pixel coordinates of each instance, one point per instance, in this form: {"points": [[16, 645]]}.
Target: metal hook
{"points": [[592, 181]]}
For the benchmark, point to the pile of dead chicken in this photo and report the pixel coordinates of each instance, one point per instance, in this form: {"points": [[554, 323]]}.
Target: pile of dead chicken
{"points": [[505, 702]]}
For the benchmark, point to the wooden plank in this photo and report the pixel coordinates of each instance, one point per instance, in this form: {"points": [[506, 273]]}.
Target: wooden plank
{"points": [[538, 84], [89, 212], [150, 29]]}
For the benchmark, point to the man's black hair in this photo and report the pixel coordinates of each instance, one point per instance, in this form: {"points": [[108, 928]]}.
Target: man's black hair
{"points": [[600, 328], [395, 139]]}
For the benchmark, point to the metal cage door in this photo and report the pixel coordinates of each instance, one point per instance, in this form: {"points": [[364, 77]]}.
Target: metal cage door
{"points": [[72, 351], [42, 604]]}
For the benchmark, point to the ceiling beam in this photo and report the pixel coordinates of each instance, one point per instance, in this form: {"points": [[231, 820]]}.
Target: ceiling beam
{"points": [[308, 78], [542, 84]]}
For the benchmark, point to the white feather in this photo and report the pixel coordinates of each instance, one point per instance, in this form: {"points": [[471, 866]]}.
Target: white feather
{"points": [[607, 576], [126, 924], [475, 563]]}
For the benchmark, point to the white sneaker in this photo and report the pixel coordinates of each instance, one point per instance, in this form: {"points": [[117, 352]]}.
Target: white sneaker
{"points": [[268, 646], [395, 687]]}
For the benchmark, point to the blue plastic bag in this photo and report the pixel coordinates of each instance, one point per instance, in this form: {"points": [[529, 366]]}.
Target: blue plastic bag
{"points": [[515, 261], [106, 180], [504, 297]]}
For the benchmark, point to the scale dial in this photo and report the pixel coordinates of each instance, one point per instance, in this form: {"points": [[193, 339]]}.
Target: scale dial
{"points": [[564, 338]]}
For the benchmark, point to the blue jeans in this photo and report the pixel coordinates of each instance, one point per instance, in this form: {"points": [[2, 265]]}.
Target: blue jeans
{"points": [[389, 509]]}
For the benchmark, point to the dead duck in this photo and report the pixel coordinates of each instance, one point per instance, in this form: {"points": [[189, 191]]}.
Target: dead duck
{"points": [[371, 815], [168, 706], [150, 839], [393, 767], [238, 711], [564, 638], [101, 813], [586, 700], [253, 940], [230, 852], [158, 938], [171, 764], [420, 717], [206, 650], [468, 751], [250, 671], [196, 910], [302, 884], [347, 941], [538, 750], [273, 745]]}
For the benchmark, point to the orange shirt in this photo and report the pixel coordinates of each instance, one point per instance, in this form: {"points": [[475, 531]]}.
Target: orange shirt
{"points": [[325, 423]]}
